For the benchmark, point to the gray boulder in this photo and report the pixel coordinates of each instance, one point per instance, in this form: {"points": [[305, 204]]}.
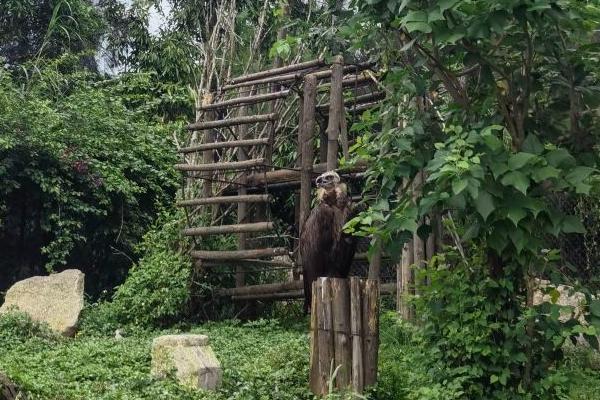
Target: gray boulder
{"points": [[56, 299], [189, 357]]}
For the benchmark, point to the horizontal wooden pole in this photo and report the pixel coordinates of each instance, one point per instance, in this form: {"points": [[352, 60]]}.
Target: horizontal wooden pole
{"points": [[247, 262], [221, 166], [364, 98], [248, 198], [248, 119], [356, 80], [294, 294], [224, 229], [272, 79], [224, 145], [362, 107], [291, 175], [238, 254], [260, 289], [319, 62], [239, 101]]}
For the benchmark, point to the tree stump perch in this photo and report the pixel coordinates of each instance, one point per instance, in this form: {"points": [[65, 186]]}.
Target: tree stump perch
{"points": [[344, 334]]}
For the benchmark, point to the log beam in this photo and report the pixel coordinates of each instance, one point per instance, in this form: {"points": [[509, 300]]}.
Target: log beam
{"points": [[238, 254], [225, 229], [240, 101], [222, 123], [222, 166], [224, 145]]}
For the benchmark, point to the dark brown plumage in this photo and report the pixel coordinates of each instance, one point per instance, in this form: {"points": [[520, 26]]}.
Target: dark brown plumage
{"points": [[325, 249]]}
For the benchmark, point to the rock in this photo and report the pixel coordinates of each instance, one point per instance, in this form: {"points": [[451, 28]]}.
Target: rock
{"points": [[190, 357], [56, 299], [9, 390], [566, 297]]}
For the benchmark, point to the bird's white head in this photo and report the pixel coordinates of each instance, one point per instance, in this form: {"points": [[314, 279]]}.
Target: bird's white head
{"points": [[328, 180]]}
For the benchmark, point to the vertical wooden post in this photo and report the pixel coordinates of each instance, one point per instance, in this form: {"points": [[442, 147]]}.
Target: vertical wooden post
{"points": [[341, 328], [357, 337], [325, 334], [336, 105], [375, 262], [406, 282], [314, 381], [370, 331], [240, 275], [207, 155], [418, 243], [305, 145]]}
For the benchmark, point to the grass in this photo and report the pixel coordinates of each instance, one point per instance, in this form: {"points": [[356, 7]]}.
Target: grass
{"points": [[265, 359]]}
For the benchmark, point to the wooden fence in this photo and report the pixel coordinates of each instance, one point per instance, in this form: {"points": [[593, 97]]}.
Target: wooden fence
{"points": [[344, 334]]}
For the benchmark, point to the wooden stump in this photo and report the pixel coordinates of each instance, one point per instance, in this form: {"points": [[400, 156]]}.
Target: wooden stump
{"points": [[344, 334]]}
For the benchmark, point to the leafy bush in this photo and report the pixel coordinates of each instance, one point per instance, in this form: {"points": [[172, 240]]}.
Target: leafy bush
{"points": [[157, 288], [81, 174], [18, 326]]}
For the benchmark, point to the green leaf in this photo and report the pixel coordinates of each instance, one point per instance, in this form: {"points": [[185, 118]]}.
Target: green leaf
{"points": [[531, 144], [547, 172], [560, 158], [494, 378], [516, 179], [418, 27], [595, 308], [572, 224], [516, 215], [518, 238], [458, 185], [579, 174], [517, 161], [447, 4], [484, 204]]}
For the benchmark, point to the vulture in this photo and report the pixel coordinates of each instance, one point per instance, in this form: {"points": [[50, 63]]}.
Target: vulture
{"points": [[325, 250]]}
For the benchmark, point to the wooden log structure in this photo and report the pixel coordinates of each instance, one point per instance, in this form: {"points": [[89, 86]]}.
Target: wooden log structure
{"points": [[238, 254], [221, 166], [224, 229], [246, 100], [262, 289], [335, 112], [249, 198], [305, 144], [319, 62], [223, 123], [288, 295], [344, 334], [224, 145], [348, 103]]}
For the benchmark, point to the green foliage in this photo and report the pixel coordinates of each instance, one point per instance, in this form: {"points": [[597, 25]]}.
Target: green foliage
{"points": [[17, 327], [157, 288], [81, 173]]}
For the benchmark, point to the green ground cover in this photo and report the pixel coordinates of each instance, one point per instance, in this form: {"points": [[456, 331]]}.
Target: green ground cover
{"points": [[265, 359]]}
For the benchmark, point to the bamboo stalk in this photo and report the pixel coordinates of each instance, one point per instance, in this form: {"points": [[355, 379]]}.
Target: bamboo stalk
{"points": [[246, 100], [222, 166], [222, 123], [224, 145], [225, 229], [325, 334]]}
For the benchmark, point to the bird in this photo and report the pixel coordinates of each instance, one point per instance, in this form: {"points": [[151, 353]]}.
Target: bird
{"points": [[325, 249]]}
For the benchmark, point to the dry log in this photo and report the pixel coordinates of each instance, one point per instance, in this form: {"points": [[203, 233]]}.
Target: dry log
{"points": [[286, 175], [224, 145], [356, 334], [250, 198], [313, 380], [406, 284], [221, 166], [295, 294], [225, 229], [240, 101], [222, 123], [375, 262], [278, 71], [341, 328], [238, 254], [272, 79], [260, 289]]}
